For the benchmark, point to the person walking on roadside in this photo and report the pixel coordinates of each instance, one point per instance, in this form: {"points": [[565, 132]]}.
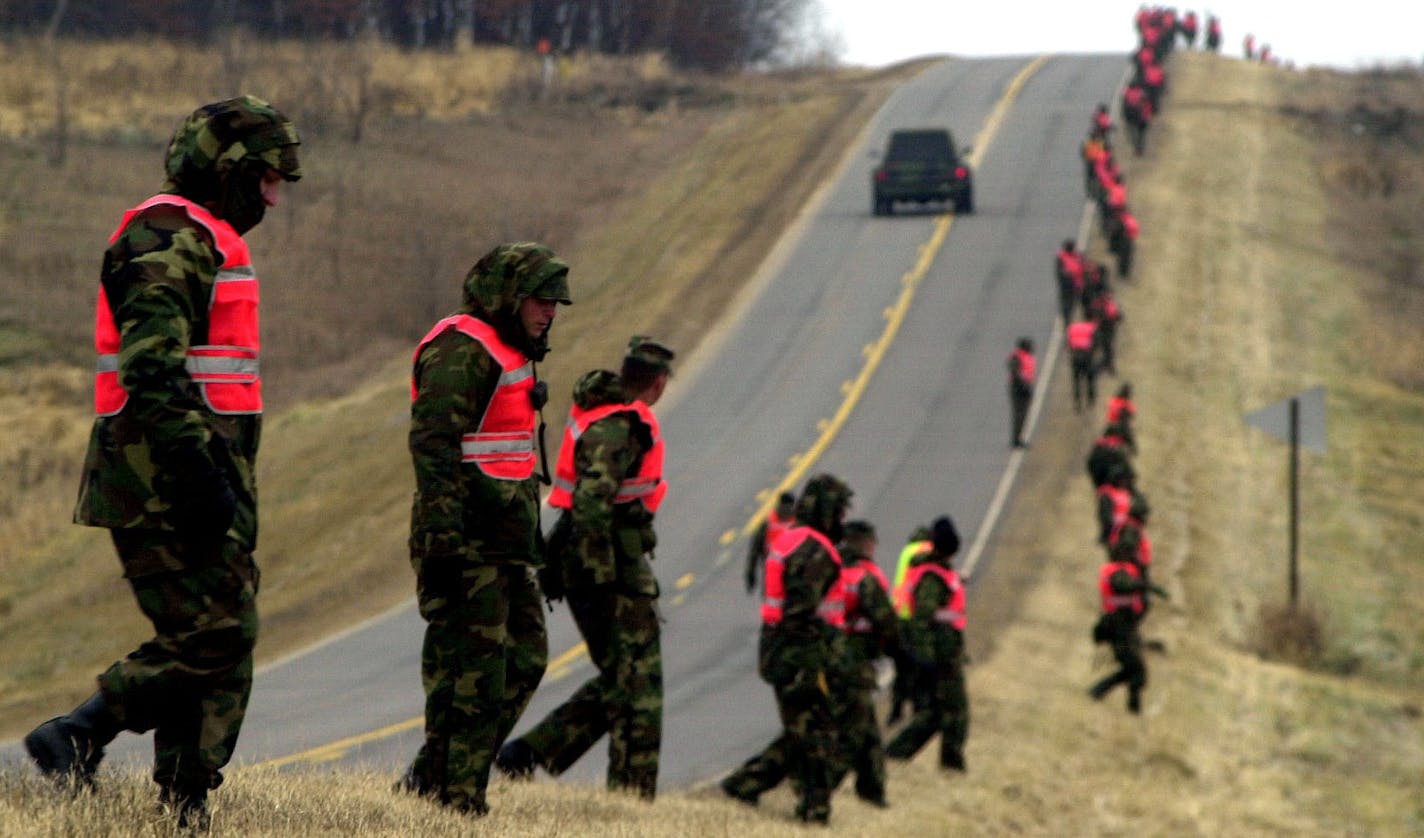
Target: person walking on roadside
{"points": [[1123, 593], [1068, 271], [609, 484], [1122, 412], [1022, 370], [1107, 314], [1081, 336], [872, 631], [934, 633], [802, 654], [475, 542], [170, 468], [778, 520], [902, 690]]}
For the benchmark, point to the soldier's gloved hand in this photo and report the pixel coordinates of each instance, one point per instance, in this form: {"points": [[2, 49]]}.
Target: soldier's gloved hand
{"points": [[551, 582], [203, 503]]}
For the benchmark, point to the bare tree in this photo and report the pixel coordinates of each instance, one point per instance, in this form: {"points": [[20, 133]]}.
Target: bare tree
{"points": [[60, 150]]}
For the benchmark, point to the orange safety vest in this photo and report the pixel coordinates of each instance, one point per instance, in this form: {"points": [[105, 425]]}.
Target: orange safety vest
{"points": [[1071, 264], [225, 368], [775, 526], [1121, 500], [1129, 224], [1112, 601], [1027, 365], [832, 607], [1144, 543], [1117, 407], [1080, 335], [857, 621], [503, 443], [951, 613], [646, 485]]}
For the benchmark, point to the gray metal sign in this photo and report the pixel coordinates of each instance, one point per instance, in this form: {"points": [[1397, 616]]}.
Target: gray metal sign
{"points": [[1310, 407]]}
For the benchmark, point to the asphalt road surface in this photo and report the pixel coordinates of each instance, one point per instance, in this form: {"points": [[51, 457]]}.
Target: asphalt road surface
{"points": [[869, 347]]}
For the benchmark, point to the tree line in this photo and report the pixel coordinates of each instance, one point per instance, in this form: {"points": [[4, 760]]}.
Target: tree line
{"points": [[694, 34]]}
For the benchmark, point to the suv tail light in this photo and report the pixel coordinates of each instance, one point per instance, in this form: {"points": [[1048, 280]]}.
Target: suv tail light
{"points": [[960, 173], [882, 175]]}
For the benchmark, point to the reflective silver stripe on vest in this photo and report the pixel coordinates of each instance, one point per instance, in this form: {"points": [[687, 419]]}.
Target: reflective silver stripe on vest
{"points": [[636, 487], [947, 615], [239, 273], [516, 375], [473, 447], [200, 365], [773, 602], [1121, 601]]}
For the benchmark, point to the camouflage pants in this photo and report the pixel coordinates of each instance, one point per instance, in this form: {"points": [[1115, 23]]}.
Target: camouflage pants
{"points": [[484, 654], [806, 751], [941, 707], [625, 699], [190, 683], [862, 750]]}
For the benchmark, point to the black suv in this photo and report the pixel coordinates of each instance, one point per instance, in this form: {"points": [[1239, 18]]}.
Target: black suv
{"points": [[922, 165]]}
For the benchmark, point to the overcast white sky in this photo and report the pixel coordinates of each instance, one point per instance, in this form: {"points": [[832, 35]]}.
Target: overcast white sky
{"points": [[1351, 35]]}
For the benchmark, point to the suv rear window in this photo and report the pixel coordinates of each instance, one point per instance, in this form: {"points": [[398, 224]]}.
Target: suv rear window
{"points": [[920, 145]]}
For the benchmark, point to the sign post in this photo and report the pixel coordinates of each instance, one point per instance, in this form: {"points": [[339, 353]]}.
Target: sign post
{"points": [[1300, 421]]}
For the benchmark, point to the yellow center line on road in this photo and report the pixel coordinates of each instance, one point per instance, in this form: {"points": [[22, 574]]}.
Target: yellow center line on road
{"points": [[799, 463]]}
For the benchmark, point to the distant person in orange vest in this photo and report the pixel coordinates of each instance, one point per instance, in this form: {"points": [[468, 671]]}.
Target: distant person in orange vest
{"points": [[1081, 336], [935, 632], [1093, 149], [1188, 28], [1115, 498], [1068, 270], [1122, 412], [1248, 46], [1213, 34], [1102, 120], [778, 520], [1095, 281], [1137, 114], [1110, 452], [1023, 367], [1122, 229], [1154, 79], [1123, 593], [1105, 311]]}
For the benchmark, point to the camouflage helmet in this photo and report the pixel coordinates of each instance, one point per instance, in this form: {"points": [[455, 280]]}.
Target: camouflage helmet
{"points": [[503, 279], [597, 387], [823, 503], [218, 138], [510, 273]]}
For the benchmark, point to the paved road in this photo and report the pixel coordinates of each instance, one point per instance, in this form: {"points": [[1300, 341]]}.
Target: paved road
{"points": [[869, 347]]}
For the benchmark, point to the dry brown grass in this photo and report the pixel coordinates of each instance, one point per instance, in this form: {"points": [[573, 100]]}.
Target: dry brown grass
{"points": [[1242, 299]]}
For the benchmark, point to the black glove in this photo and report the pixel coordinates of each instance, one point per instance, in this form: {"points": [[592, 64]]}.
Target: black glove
{"points": [[551, 582], [203, 504]]}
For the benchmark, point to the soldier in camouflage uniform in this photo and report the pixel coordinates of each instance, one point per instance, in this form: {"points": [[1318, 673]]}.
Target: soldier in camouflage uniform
{"points": [[935, 633], [802, 654], [609, 484], [475, 542], [872, 630], [170, 465]]}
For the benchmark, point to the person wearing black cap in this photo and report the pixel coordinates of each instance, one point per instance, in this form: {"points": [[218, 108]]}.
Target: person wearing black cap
{"points": [[1022, 369], [608, 485], [935, 632]]}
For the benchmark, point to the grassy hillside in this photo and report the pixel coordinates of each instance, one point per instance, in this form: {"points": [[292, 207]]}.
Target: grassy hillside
{"points": [[1280, 250]]}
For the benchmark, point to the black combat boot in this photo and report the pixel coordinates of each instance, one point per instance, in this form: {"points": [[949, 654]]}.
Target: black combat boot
{"points": [[71, 747], [516, 760]]}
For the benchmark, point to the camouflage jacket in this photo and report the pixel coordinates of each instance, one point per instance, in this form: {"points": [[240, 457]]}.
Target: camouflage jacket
{"points": [[610, 542], [803, 642], [874, 607], [458, 511], [158, 277], [926, 637]]}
